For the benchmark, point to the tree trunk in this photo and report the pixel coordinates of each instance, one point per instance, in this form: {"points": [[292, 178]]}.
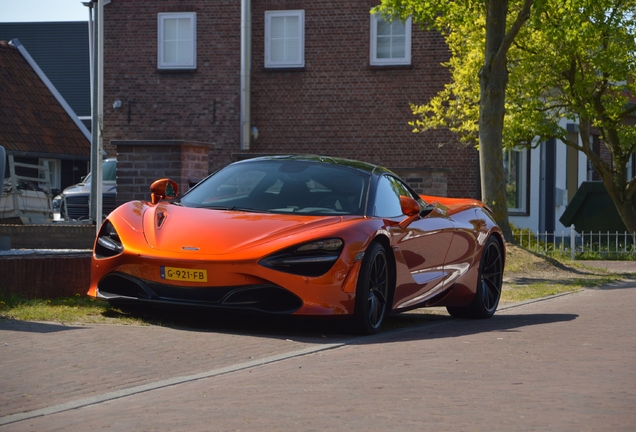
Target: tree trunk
{"points": [[493, 80]]}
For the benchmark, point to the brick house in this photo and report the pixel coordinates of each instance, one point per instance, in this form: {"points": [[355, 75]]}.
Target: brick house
{"points": [[326, 78], [37, 126]]}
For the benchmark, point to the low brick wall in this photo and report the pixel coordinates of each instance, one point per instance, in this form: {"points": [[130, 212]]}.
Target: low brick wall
{"points": [[54, 236], [45, 276], [426, 181]]}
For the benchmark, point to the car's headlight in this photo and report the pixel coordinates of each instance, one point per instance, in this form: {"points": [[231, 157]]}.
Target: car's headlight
{"points": [[308, 259], [108, 242]]}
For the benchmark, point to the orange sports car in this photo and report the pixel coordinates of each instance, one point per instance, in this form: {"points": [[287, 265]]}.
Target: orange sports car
{"points": [[302, 235]]}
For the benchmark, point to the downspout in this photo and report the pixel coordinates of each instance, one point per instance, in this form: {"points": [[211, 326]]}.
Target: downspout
{"points": [[95, 201], [246, 56]]}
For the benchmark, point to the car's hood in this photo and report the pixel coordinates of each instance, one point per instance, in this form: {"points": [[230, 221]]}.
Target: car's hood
{"points": [[173, 228], [85, 188], [77, 188]]}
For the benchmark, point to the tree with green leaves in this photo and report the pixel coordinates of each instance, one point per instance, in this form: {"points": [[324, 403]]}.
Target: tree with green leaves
{"points": [[478, 35], [513, 84], [577, 61]]}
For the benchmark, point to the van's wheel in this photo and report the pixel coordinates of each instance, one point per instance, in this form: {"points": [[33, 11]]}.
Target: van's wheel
{"points": [[372, 291], [491, 267]]}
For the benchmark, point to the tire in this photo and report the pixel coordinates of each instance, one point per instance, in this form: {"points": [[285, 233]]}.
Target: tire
{"points": [[489, 284], [372, 291]]}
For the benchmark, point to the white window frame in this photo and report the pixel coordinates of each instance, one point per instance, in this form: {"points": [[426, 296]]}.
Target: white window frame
{"points": [[54, 168], [300, 54], [161, 62], [374, 60], [522, 186]]}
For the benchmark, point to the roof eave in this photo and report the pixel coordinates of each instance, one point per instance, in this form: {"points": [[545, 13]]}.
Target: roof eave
{"points": [[16, 43]]}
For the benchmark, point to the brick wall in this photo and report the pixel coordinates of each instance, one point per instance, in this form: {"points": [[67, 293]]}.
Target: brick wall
{"points": [[336, 105], [45, 276], [425, 181], [49, 236], [140, 163]]}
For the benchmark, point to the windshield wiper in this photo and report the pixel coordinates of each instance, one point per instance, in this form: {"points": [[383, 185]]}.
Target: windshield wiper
{"points": [[235, 208]]}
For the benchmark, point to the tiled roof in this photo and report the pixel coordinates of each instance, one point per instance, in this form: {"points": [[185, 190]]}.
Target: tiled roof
{"points": [[61, 50], [32, 120]]}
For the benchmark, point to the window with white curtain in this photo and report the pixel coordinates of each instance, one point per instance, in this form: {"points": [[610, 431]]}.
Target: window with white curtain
{"points": [[390, 41], [285, 39], [176, 40]]}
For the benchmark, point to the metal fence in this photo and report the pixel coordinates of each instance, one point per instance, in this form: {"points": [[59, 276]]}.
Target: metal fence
{"points": [[584, 245]]}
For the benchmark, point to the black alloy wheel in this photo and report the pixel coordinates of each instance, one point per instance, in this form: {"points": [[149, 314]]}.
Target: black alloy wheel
{"points": [[372, 291], [491, 267]]}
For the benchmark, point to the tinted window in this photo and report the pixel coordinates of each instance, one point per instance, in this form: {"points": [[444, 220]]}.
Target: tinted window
{"points": [[387, 199], [109, 170], [282, 186]]}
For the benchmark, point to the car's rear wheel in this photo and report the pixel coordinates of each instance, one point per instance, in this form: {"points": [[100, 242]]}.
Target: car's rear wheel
{"points": [[489, 283], [372, 291]]}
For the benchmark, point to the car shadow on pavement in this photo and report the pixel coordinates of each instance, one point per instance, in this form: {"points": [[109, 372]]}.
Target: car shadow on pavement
{"points": [[454, 327], [408, 326]]}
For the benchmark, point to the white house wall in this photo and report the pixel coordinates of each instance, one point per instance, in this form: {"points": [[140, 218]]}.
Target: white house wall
{"points": [[531, 220]]}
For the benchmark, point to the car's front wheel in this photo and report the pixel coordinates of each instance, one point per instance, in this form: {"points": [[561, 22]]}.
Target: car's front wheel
{"points": [[488, 292], [372, 291]]}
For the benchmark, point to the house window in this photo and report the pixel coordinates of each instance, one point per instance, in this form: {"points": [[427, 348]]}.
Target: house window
{"points": [[285, 39], [516, 172], [390, 41], [177, 40], [54, 169]]}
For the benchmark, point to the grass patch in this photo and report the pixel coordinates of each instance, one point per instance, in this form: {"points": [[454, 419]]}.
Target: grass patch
{"points": [[67, 310], [522, 292], [517, 293], [534, 276]]}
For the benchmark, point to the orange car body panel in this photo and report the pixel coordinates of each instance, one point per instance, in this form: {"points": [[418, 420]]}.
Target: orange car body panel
{"points": [[436, 257]]}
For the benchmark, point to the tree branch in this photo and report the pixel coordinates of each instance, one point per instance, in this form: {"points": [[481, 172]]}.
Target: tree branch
{"points": [[522, 17]]}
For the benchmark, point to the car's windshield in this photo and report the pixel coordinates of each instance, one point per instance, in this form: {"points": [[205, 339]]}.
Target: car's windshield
{"points": [[282, 186], [109, 171]]}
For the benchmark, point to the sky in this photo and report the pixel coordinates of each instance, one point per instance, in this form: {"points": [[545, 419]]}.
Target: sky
{"points": [[42, 10]]}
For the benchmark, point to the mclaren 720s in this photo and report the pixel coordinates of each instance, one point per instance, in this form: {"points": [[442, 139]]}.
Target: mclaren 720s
{"points": [[302, 235]]}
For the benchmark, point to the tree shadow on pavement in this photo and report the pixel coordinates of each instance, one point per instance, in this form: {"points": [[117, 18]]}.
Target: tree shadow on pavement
{"points": [[34, 327]]}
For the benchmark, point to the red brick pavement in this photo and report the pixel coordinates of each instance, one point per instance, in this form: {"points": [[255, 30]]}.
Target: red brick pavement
{"points": [[45, 364], [563, 364]]}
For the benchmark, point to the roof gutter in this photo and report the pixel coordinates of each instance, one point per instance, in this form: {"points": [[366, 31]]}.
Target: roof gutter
{"points": [[246, 56], [16, 43]]}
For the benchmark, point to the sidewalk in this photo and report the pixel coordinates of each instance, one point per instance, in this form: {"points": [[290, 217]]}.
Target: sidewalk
{"points": [[564, 363]]}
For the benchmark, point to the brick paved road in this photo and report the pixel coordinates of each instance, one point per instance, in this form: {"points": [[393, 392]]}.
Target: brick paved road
{"points": [[564, 364]]}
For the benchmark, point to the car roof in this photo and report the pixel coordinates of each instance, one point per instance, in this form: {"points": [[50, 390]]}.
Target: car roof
{"points": [[358, 165]]}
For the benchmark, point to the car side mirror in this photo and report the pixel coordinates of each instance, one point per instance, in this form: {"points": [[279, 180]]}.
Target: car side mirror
{"points": [[411, 209], [163, 189]]}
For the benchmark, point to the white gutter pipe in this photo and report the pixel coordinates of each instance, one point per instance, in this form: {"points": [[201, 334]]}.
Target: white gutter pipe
{"points": [[95, 213], [246, 57]]}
